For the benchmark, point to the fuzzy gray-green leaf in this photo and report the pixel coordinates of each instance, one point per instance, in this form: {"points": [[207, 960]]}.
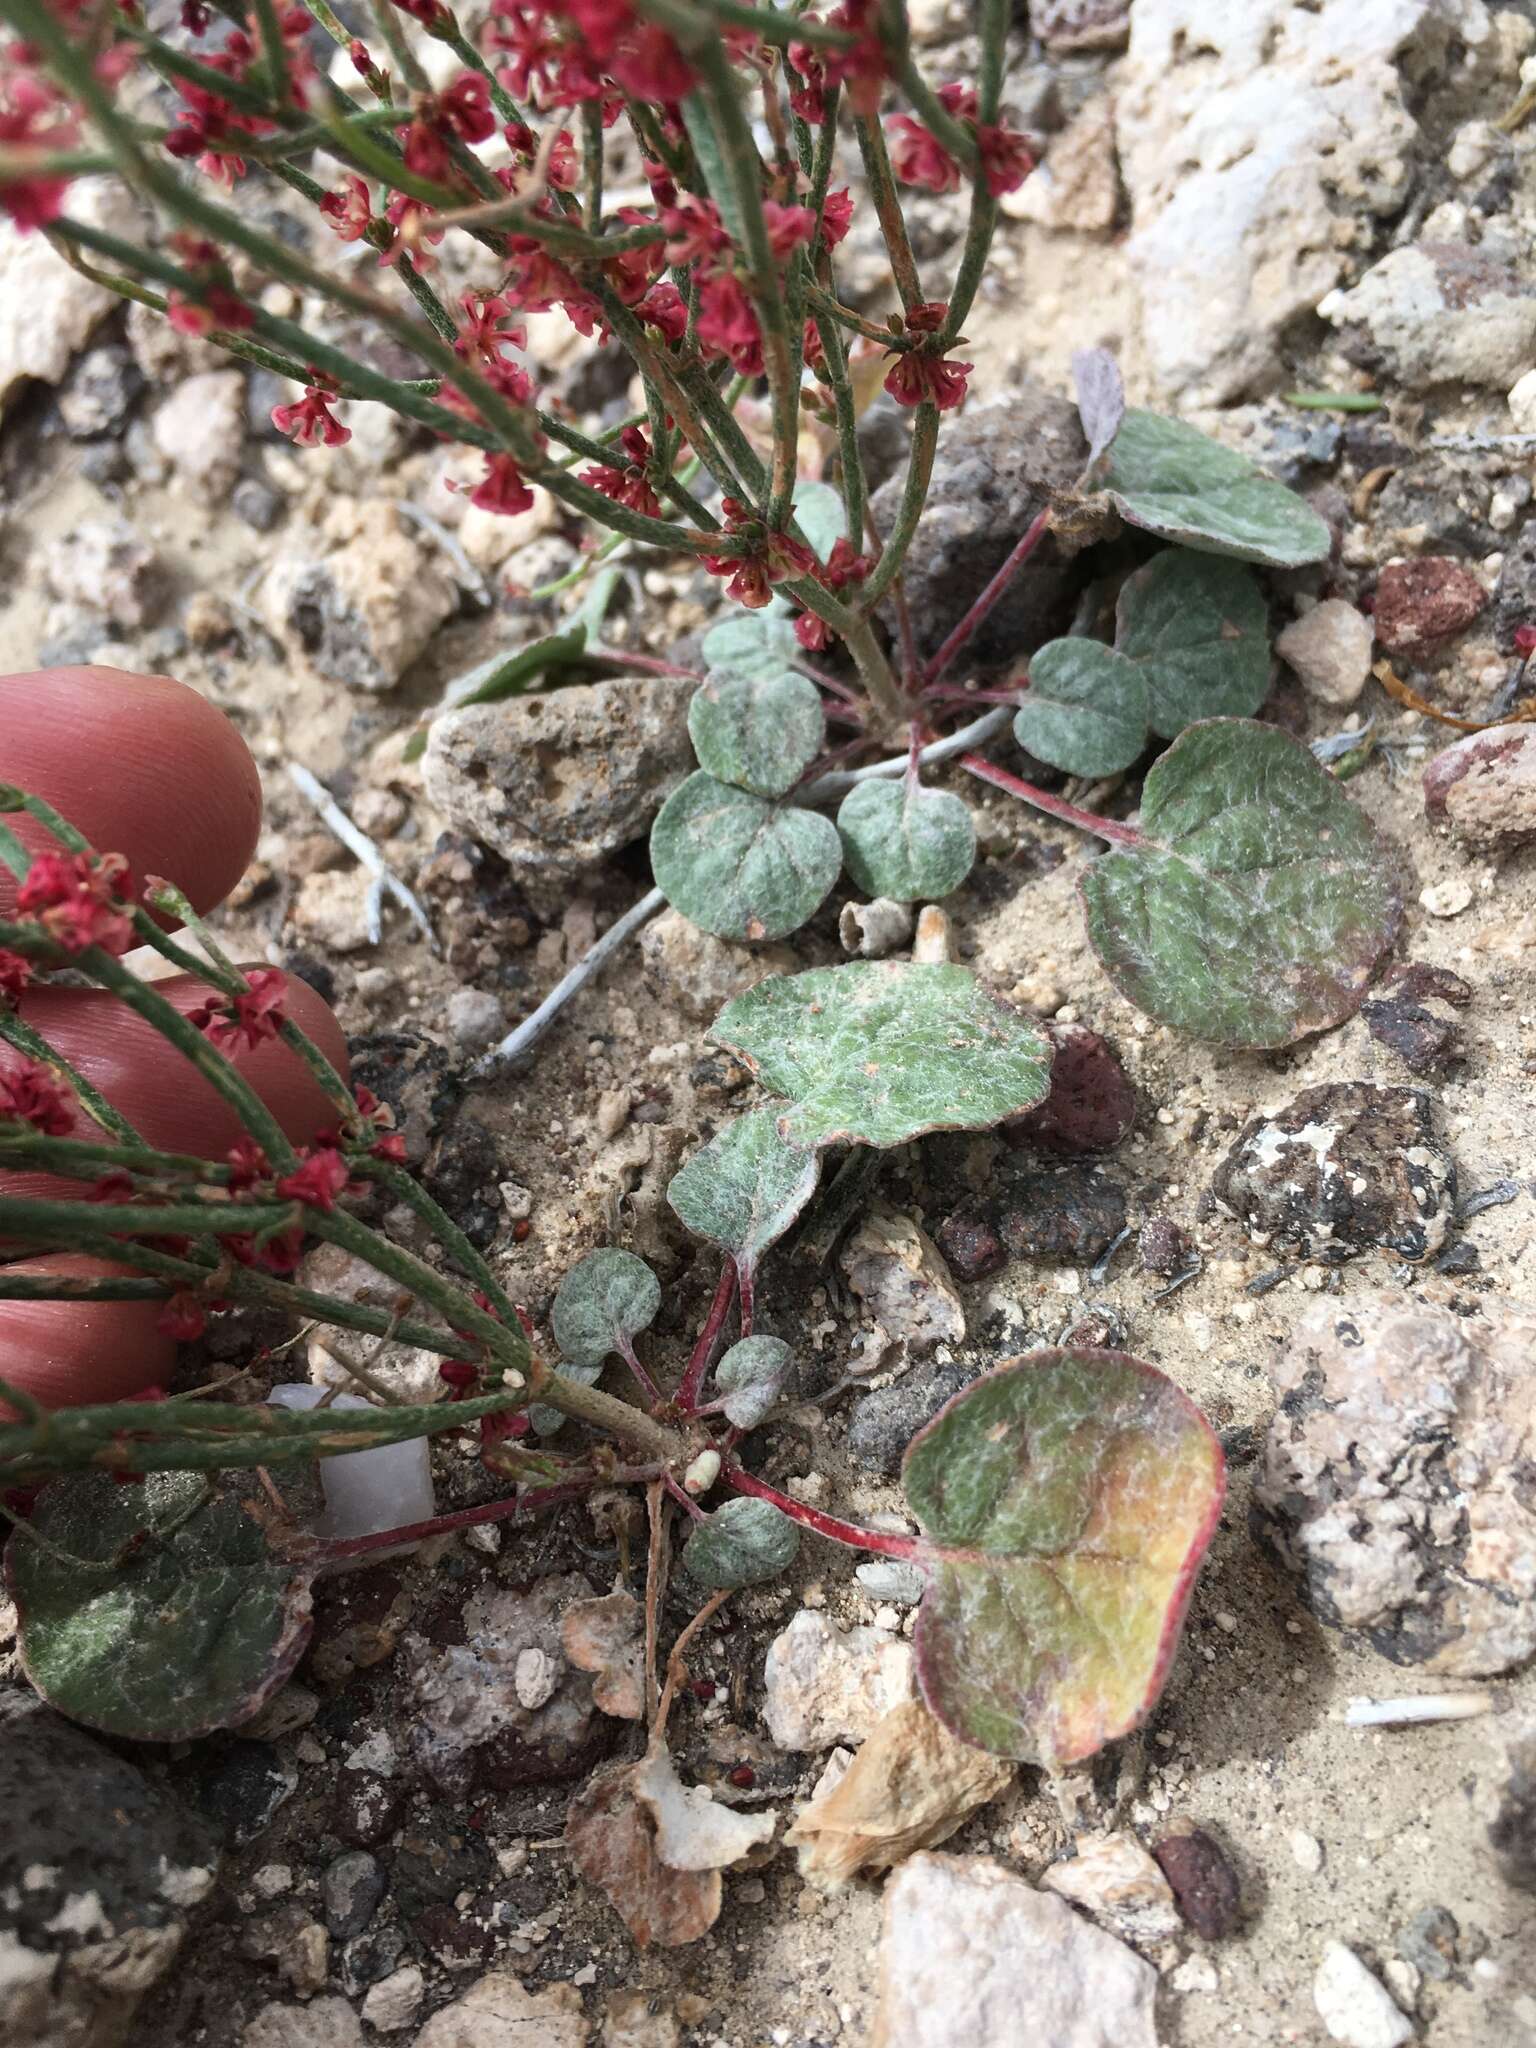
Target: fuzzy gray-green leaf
{"points": [[751, 644], [177, 1619], [757, 732], [600, 1304], [1085, 710], [880, 1051], [751, 1377], [1167, 477], [740, 866], [1197, 628], [741, 1544], [820, 515], [1260, 899], [744, 1188], [900, 840]]}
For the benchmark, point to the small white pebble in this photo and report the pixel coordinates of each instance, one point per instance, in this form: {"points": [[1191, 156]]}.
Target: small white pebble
{"points": [[1447, 899], [1307, 1850]]}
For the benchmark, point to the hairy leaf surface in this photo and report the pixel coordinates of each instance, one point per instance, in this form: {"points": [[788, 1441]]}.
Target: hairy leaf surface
{"points": [[880, 1051], [744, 1188], [909, 843], [1085, 710], [739, 866], [741, 1544], [1260, 899], [1171, 479], [1197, 628], [1100, 393], [757, 732], [1069, 1497], [601, 1303], [172, 1616], [751, 644], [751, 1377]]}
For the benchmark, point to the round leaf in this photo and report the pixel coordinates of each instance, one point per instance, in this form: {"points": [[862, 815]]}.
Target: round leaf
{"points": [[1085, 710], [603, 1300], [751, 1377], [1167, 477], [1069, 1497], [738, 866], [821, 515], [1198, 629], [741, 1544], [746, 1186], [152, 1617], [906, 842], [757, 732], [751, 644], [880, 1051], [1258, 900]]}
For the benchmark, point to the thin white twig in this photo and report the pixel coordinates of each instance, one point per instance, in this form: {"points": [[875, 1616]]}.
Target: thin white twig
{"points": [[357, 842], [841, 780], [1414, 1707], [469, 576], [527, 1034]]}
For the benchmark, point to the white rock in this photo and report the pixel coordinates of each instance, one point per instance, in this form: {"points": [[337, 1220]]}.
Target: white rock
{"points": [[489, 537], [1447, 899], [393, 2003], [823, 1685], [1195, 1973], [1307, 1850], [899, 1273], [102, 565], [47, 310], [1248, 136], [1355, 2006], [331, 909], [365, 1491], [475, 1018], [1114, 1879], [973, 1957], [1441, 313], [498, 2013], [199, 429], [1522, 403], [362, 596], [1329, 647], [700, 973], [323, 2023]]}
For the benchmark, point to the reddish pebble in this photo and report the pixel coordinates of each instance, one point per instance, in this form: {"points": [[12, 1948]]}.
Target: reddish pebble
{"points": [[520, 1230], [1203, 1881], [703, 1688], [743, 1777], [1426, 600]]}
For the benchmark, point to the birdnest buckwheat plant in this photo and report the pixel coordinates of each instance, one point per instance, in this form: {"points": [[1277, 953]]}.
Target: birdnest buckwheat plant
{"points": [[1065, 1499]]}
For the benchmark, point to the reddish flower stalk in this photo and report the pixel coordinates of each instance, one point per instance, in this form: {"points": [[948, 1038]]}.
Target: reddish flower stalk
{"points": [[882, 1542]]}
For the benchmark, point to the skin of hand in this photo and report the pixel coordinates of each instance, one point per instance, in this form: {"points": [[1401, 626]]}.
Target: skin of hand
{"points": [[145, 767]]}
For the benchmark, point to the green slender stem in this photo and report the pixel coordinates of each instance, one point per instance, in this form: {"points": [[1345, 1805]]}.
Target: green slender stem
{"points": [[405, 1188], [401, 53], [274, 52], [44, 1219], [779, 29], [851, 456], [914, 495], [16, 1286], [592, 165], [994, 56], [973, 263], [955, 136], [82, 1161], [15, 1031], [822, 302], [375, 80], [882, 186]]}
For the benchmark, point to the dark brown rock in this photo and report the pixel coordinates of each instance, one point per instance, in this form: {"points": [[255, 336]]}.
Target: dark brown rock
{"points": [[1426, 1044], [1422, 601], [1091, 1105], [1420, 983], [1070, 1213], [1164, 1247], [1204, 1883], [971, 1247], [1344, 1168], [367, 1809]]}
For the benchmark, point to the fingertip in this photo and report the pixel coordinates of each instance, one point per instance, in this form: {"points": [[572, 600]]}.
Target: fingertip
{"points": [[65, 1353]]}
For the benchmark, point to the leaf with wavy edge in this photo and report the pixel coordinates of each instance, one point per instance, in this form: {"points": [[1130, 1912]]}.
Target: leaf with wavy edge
{"points": [[1168, 477], [906, 842], [738, 866], [1067, 1499], [169, 1620], [757, 732], [744, 1188], [1085, 710], [1256, 899], [880, 1051], [1197, 628], [601, 1303]]}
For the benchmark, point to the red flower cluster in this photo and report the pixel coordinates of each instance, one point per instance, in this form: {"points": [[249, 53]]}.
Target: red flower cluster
{"points": [[627, 485], [80, 900], [32, 117], [15, 973], [349, 211], [248, 1019], [318, 1182], [310, 421], [760, 558], [561, 54], [862, 65], [919, 158], [916, 375], [29, 1094], [845, 565]]}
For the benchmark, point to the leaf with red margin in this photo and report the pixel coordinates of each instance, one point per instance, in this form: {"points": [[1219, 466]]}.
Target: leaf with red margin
{"points": [[1068, 1498]]}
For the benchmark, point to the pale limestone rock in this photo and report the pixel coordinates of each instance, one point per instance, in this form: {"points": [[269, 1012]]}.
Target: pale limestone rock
{"points": [[1075, 189], [1251, 139], [1442, 312], [392, 2004], [498, 2013], [47, 309], [899, 1274], [199, 429], [824, 1685], [363, 598], [1113, 1878], [973, 1957], [1329, 648], [701, 973], [1354, 2006], [323, 2023]]}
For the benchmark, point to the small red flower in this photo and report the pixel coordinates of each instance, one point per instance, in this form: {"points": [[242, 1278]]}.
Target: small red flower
{"points": [[391, 1147], [844, 565], [490, 327], [80, 900], [458, 1374], [32, 118], [466, 107], [503, 489], [245, 1019], [30, 1095], [348, 211], [15, 973], [728, 325], [665, 307], [318, 1182], [1006, 159], [248, 1166], [628, 485], [695, 233], [763, 557], [915, 375], [310, 421], [116, 1186], [499, 1429], [836, 216], [789, 228], [409, 218], [216, 307], [183, 1318], [1525, 641], [813, 634], [918, 157]]}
